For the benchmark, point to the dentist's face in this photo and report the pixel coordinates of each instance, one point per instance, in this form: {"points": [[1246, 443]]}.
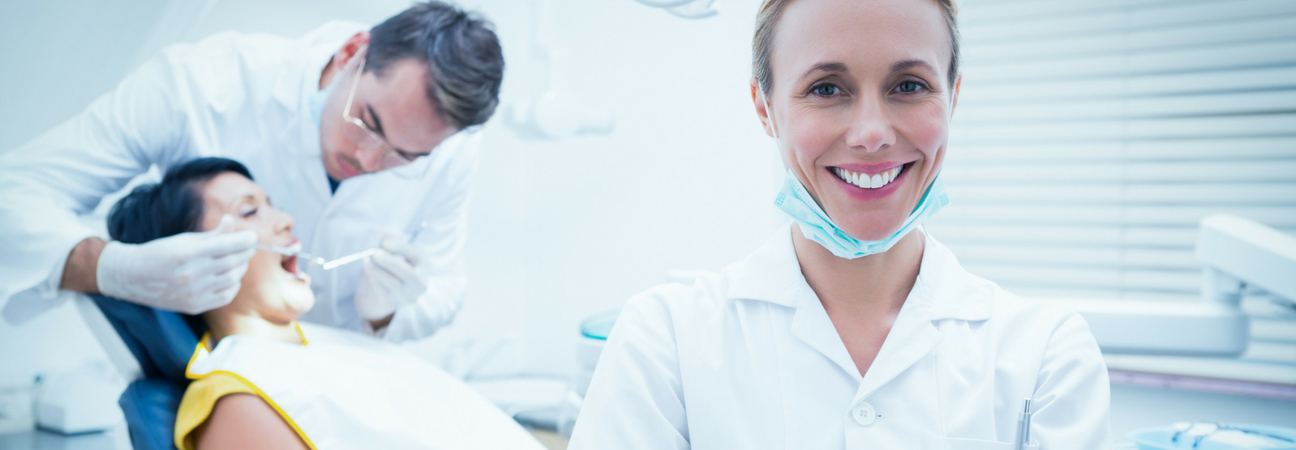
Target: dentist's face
{"points": [[860, 102], [401, 122], [273, 287]]}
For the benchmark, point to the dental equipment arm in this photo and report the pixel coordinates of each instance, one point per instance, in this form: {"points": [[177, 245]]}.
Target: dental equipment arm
{"points": [[1237, 254]]}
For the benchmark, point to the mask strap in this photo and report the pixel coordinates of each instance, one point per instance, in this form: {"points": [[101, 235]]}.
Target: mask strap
{"points": [[769, 112]]}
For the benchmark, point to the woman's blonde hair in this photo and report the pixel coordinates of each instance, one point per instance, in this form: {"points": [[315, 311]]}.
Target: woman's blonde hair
{"points": [[772, 10]]}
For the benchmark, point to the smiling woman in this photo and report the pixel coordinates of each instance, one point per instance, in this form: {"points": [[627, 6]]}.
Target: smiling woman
{"points": [[853, 327], [261, 379]]}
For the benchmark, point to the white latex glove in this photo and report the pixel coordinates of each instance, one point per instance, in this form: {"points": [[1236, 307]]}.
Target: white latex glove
{"points": [[391, 278], [189, 272]]}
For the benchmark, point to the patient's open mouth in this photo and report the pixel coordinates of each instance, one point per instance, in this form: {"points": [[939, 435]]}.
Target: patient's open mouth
{"points": [[289, 264]]}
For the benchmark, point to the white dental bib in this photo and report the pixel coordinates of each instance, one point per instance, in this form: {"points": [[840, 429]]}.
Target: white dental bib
{"points": [[346, 390]]}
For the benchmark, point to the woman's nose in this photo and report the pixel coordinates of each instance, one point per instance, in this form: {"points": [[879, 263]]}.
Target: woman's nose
{"points": [[871, 128], [284, 223]]}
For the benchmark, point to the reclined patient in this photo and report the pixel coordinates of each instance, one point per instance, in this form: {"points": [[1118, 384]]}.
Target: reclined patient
{"points": [[263, 380]]}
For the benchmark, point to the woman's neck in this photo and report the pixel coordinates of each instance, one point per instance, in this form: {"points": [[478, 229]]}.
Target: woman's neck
{"points": [[230, 320], [872, 286]]}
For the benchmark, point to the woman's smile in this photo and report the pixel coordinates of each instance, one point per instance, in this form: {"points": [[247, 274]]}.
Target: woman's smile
{"points": [[870, 181]]}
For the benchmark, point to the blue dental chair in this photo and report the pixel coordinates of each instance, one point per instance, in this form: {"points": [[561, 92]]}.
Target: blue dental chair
{"points": [[160, 342]]}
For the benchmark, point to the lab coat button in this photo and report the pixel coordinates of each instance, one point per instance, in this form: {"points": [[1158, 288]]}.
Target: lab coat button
{"points": [[863, 414]]}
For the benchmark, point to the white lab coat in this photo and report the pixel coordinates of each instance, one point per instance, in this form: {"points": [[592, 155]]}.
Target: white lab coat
{"points": [[748, 359], [245, 97]]}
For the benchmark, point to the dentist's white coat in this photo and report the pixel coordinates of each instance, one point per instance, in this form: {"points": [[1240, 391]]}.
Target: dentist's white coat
{"points": [[245, 97], [748, 359]]}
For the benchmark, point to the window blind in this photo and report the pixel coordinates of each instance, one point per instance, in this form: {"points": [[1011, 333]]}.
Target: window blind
{"points": [[1091, 137]]}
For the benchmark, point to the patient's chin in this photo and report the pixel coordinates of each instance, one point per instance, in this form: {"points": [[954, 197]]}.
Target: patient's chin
{"points": [[297, 299]]}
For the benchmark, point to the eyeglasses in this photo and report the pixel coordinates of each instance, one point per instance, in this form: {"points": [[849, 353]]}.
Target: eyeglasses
{"points": [[366, 138]]}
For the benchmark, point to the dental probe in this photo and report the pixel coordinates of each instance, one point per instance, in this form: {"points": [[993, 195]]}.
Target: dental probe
{"points": [[295, 250]]}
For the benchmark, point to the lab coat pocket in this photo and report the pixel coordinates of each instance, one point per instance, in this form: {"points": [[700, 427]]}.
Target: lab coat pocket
{"points": [[977, 444]]}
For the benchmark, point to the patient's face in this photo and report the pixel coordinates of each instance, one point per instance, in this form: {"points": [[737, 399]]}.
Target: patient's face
{"points": [[273, 287]]}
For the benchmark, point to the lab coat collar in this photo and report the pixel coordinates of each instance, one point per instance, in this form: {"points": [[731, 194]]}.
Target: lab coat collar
{"points": [[945, 290]]}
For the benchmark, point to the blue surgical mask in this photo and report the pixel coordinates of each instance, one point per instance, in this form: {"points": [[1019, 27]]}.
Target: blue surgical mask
{"points": [[816, 225], [317, 101]]}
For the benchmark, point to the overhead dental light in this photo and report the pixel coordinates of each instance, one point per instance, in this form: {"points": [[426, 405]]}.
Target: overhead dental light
{"points": [[557, 111], [688, 9]]}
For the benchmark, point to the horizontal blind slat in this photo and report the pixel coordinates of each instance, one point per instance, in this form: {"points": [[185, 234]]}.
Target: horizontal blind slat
{"points": [[1187, 216], [1232, 149], [1200, 58], [1183, 194], [1099, 257], [1279, 171], [977, 90], [1123, 41], [1170, 14], [1104, 130], [1136, 108]]}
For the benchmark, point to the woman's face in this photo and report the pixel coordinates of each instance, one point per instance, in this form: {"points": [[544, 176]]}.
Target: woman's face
{"points": [[273, 287], [860, 89]]}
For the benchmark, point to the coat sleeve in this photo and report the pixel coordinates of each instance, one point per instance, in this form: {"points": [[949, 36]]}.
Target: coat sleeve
{"points": [[442, 224], [48, 182], [1072, 400], [636, 398]]}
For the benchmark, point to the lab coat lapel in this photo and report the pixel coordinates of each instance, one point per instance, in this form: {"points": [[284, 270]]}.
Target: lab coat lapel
{"points": [[812, 326], [772, 274], [943, 290], [911, 338]]}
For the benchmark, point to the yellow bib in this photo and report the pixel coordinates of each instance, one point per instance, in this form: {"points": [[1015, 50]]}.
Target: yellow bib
{"points": [[346, 390]]}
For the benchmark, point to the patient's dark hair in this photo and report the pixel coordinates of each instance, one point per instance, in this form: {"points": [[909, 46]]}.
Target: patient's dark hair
{"points": [[174, 206]]}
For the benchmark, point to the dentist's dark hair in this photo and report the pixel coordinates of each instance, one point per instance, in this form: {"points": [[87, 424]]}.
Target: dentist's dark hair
{"points": [[171, 207], [463, 56]]}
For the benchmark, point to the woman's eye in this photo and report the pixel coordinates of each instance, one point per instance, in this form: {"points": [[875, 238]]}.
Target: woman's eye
{"points": [[249, 212], [909, 86], [826, 90]]}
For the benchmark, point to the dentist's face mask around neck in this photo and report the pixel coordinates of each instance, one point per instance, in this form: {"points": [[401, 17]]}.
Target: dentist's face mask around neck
{"points": [[860, 109]]}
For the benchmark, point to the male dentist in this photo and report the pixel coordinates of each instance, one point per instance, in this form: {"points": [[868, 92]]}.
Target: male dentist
{"points": [[358, 133]]}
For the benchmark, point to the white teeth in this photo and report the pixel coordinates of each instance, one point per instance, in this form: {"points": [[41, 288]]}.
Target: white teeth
{"points": [[868, 181]]}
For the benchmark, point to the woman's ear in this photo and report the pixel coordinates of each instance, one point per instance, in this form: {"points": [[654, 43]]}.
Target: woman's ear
{"points": [[958, 83], [762, 108]]}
